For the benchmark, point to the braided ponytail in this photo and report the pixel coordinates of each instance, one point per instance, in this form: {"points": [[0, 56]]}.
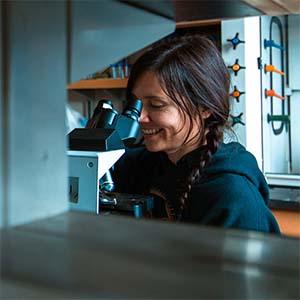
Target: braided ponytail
{"points": [[214, 137]]}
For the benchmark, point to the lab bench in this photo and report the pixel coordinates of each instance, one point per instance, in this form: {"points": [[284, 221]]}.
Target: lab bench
{"points": [[84, 256]]}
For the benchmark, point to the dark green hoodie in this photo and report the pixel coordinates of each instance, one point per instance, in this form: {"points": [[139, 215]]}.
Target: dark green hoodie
{"points": [[231, 193]]}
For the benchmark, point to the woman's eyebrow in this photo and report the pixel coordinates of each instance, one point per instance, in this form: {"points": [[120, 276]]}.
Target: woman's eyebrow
{"points": [[153, 97]]}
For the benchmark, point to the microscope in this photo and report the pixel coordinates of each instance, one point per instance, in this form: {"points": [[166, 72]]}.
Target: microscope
{"points": [[92, 153]]}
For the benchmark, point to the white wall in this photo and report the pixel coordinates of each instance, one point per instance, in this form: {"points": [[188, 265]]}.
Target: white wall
{"points": [[253, 89]]}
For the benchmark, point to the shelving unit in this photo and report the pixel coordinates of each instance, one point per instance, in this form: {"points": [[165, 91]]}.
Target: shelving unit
{"points": [[119, 83], [84, 94], [105, 83]]}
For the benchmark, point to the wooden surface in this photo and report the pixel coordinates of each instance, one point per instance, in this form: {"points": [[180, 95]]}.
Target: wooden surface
{"points": [[289, 222], [106, 83]]}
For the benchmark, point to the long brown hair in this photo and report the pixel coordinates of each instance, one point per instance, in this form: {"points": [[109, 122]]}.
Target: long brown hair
{"points": [[193, 74]]}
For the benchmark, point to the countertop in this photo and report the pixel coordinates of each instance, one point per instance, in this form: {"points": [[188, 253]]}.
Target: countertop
{"points": [[102, 257]]}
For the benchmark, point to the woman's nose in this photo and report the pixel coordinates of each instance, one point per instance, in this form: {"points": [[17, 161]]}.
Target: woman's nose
{"points": [[144, 116]]}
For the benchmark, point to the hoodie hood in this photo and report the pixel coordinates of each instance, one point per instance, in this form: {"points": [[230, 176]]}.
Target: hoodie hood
{"points": [[233, 158]]}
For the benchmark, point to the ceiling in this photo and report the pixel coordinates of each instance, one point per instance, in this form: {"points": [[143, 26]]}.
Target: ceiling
{"points": [[195, 10], [276, 7]]}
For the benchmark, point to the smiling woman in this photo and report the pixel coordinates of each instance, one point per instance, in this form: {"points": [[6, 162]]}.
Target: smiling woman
{"points": [[163, 124], [184, 86]]}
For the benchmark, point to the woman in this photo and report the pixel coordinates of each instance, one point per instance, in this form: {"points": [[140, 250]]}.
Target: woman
{"points": [[184, 86]]}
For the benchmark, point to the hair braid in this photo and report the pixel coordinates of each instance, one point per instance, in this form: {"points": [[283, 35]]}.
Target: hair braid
{"points": [[214, 137]]}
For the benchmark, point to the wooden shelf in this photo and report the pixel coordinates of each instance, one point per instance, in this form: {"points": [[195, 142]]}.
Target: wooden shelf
{"points": [[105, 83], [198, 23]]}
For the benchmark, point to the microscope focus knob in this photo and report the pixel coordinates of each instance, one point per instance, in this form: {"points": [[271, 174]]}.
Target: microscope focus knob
{"points": [[236, 94], [237, 120], [235, 41], [236, 67]]}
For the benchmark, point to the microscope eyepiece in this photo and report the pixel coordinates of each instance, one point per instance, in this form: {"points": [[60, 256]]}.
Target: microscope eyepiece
{"points": [[133, 109]]}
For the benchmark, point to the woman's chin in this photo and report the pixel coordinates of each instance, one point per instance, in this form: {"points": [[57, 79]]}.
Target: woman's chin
{"points": [[152, 147]]}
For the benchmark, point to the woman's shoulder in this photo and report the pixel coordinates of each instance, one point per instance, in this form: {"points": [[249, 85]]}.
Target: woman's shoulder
{"points": [[231, 200], [232, 192], [235, 170], [227, 186]]}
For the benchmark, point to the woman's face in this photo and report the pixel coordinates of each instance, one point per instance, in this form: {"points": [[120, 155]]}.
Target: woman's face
{"points": [[164, 126]]}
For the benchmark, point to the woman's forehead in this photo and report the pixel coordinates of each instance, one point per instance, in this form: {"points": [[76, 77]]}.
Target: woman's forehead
{"points": [[148, 85]]}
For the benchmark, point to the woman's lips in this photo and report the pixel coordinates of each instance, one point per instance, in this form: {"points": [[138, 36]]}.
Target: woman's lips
{"points": [[150, 131]]}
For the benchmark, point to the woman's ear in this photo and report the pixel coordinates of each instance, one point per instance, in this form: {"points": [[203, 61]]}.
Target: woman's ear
{"points": [[205, 113]]}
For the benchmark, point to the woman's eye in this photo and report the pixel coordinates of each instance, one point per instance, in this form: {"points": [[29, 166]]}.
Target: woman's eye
{"points": [[157, 106]]}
